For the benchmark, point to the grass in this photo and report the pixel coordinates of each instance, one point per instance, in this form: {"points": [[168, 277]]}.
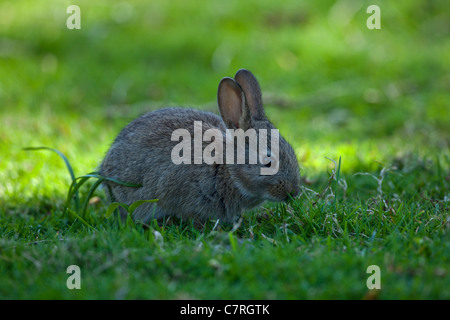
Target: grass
{"points": [[317, 246], [365, 110]]}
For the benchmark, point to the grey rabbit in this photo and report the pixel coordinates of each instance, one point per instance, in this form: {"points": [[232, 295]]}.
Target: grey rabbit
{"points": [[141, 154]]}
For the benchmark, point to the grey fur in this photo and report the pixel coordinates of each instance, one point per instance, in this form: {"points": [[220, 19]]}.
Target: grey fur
{"points": [[141, 154]]}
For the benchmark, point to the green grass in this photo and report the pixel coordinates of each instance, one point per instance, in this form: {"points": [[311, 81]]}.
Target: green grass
{"points": [[367, 112]]}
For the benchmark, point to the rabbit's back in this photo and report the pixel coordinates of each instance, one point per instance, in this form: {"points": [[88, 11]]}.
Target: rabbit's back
{"points": [[146, 141], [141, 154]]}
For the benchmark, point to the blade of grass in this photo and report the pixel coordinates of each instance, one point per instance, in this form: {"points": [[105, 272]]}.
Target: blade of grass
{"points": [[138, 203], [113, 206], [81, 219], [73, 190], [76, 185], [66, 161], [89, 195], [337, 180]]}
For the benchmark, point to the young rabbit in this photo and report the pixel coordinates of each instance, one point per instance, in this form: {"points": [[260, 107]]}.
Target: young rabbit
{"points": [[141, 154]]}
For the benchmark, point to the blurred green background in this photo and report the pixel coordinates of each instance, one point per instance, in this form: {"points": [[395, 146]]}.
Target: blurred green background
{"points": [[332, 86]]}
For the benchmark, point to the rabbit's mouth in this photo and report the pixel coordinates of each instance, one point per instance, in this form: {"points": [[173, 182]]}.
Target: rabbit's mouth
{"points": [[282, 192]]}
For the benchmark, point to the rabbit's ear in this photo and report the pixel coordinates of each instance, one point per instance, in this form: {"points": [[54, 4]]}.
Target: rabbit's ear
{"points": [[252, 92], [233, 108]]}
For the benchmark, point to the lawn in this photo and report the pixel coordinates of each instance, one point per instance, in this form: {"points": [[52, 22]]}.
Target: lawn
{"points": [[366, 111]]}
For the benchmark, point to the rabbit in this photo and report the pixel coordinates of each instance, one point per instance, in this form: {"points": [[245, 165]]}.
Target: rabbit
{"points": [[141, 154]]}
